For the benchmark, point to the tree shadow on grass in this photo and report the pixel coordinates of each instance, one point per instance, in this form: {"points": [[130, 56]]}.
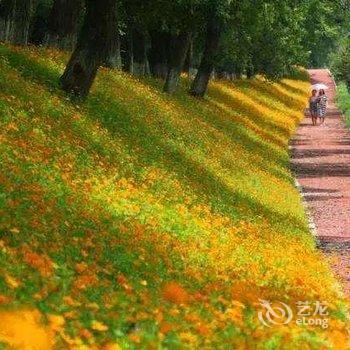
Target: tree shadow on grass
{"points": [[249, 124], [293, 89], [259, 95], [249, 110], [223, 116], [46, 75], [49, 77], [223, 121], [281, 96], [154, 148], [152, 145], [215, 98], [30, 69]]}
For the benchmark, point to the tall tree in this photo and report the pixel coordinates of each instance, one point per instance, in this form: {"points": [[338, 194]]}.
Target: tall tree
{"points": [[63, 23], [213, 32], [139, 37], [38, 29], [15, 19], [340, 56], [340, 61], [322, 26], [277, 38], [159, 52], [135, 41], [157, 38], [180, 22], [263, 37], [95, 42], [178, 52]]}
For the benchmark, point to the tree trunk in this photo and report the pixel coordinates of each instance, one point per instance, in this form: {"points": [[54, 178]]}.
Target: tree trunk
{"points": [[113, 55], [63, 24], [15, 18], [238, 72], [38, 27], [140, 59], [7, 17], [178, 53], [113, 59], [134, 51], [159, 53], [160, 70], [188, 66], [250, 72], [222, 75], [200, 83], [127, 52], [95, 42], [233, 76]]}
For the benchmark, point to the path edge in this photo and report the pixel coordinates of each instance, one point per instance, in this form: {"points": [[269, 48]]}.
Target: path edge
{"points": [[311, 223]]}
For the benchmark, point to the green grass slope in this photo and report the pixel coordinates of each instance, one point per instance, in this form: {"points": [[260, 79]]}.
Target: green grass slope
{"points": [[343, 101], [142, 220]]}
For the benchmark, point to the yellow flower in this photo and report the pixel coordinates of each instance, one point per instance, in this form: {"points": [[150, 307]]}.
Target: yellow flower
{"points": [[56, 322], [12, 282], [111, 346], [188, 337], [99, 326]]}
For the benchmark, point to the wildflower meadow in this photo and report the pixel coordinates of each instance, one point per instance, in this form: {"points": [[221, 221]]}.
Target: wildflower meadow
{"points": [[141, 220]]}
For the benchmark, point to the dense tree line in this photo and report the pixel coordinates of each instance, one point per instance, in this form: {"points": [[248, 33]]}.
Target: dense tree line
{"points": [[340, 57], [163, 38]]}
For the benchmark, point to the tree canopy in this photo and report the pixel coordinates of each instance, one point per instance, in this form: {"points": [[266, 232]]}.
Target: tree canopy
{"points": [[163, 38]]}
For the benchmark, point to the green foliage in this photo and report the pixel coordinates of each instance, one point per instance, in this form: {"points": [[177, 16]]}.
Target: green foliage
{"points": [[323, 25], [340, 61], [340, 57], [264, 36], [343, 101]]}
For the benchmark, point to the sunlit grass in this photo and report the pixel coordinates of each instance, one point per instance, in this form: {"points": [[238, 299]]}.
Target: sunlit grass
{"points": [[142, 218], [343, 101]]}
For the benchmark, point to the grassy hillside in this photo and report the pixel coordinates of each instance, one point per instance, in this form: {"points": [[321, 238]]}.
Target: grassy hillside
{"points": [[143, 220]]}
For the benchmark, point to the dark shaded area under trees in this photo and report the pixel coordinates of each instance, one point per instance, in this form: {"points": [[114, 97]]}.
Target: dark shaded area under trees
{"points": [[227, 39]]}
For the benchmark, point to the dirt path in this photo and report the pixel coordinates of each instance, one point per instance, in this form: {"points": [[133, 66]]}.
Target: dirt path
{"points": [[321, 159]]}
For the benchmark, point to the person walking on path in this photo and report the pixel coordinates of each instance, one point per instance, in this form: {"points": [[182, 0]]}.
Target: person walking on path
{"points": [[322, 105], [321, 161], [313, 106]]}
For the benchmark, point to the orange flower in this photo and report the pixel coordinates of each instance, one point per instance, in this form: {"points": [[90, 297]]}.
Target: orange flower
{"points": [[4, 299], [70, 301], [121, 279], [39, 262], [174, 293], [81, 267], [135, 338], [85, 333], [202, 330], [166, 328], [111, 346], [84, 281]]}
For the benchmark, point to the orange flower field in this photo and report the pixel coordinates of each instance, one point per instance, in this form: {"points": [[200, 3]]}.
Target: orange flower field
{"points": [[143, 220]]}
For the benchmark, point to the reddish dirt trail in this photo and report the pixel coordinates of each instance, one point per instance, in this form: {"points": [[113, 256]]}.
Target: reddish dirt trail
{"points": [[321, 160]]}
